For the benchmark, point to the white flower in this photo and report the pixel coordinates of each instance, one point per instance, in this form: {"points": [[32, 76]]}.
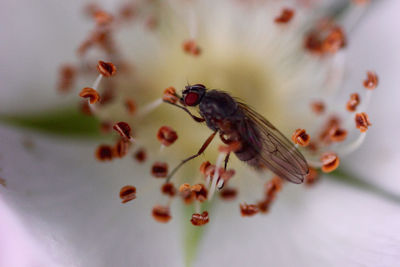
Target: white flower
{"points": [[67, 204]]}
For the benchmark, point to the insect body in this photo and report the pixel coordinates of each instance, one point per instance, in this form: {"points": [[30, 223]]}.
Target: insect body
{"points": [[262, 145]]}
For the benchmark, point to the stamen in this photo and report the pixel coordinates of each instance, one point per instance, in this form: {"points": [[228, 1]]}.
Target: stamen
{"points": [[329, 38], [159, 169], [168, 189], [102, 18], [3, 182], [220, 158], [91, 94], [353, 103], [263, 206], [272, 187], [204, 166], [200, 219], [161, 213], [86, 108], [127, 193], [97, 81], [372, 80], [167, 136], [338, 134], [121, 148], [149, 107], [124, 130], [187, 193], [330, 162], [191, 47], [362, 121], [248, 210], [318, 107], [200, 192], [170, 95], [105, 127], [140, 155], [67, 77], [285, 16], [354, 145], [225, 176], [107, 69], [301, 137], [312, 177], [130, 106], [127, 11], [104, 153], [228, 193]]}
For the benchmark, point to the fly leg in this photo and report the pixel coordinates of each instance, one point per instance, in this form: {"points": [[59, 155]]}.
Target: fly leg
{"points": [[226, 160], [201, 150], [197, 119]]}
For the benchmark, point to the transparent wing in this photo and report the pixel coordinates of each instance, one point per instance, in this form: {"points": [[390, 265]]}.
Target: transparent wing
{"points": [[277, 153]]}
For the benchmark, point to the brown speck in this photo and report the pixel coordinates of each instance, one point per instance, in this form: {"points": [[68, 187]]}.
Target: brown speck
{"points": [[301, 137], [362, 121], [330, 162], [285, 16], [159, 169], [372, 80], [166, 135], [161, 214], [200, 219], [104, 153], [106, 69], [127, 193], [248, 209], [353, 102], [90, 93]]}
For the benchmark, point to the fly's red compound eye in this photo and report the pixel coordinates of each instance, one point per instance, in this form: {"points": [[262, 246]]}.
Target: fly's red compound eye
{"points": [[191, 98]]}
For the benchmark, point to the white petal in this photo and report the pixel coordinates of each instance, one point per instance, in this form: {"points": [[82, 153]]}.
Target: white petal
{"points": [[378, 159], [36, 39], [70, 203], [331, 224]]}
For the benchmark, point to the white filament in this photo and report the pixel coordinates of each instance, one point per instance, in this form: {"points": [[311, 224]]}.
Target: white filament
{"points": [[149, 107], [218, 164], [97, 82]]}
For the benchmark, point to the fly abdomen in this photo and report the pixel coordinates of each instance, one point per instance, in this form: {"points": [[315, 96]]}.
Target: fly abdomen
{"points": [[249, 154]]}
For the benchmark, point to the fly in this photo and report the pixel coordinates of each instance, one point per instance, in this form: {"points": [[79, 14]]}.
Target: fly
{"points": [[262, 146]]}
